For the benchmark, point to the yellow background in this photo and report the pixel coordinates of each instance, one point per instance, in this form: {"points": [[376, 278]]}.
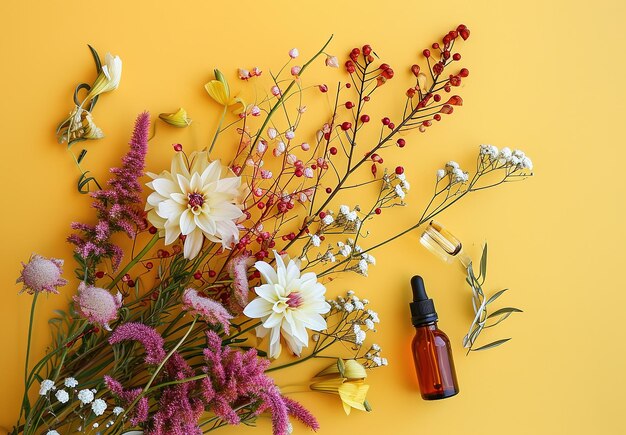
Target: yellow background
{"points": [[544, 76]]}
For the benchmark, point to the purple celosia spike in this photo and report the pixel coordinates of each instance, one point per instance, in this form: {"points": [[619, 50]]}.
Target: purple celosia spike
{"points": [[211, 311], [238, 269], [119, 205], [140, 413], [147, 336], [299, 412]]}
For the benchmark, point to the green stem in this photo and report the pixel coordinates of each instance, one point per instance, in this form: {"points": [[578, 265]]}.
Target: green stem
{"points": [[134, 261], [25, 401], [217, 131]]}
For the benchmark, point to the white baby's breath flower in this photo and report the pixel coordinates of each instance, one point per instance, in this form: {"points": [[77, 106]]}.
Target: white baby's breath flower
{"points": [[344, 209], [315, 240], [452, 164], [385, 362], [85, 396], [70, 382], [46, 386], [378, 361], [373, 316], [348, 307], [118, 410], [504, 155], [376, 347], [369, 324], [527, 163], [98, 407], [363, 266], [405, 185], [96, 425], [352, 216], [328, 219], [52, 432], [62, 396], [196, 201], [345, 250], [440, 174], [359, 334], [399, 192]]}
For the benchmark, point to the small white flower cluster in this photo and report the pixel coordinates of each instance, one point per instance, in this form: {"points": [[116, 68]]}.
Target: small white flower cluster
{"points": [[85, 396], [515, 159], [398, 184], [360, 318], [348, 219], [354, 251], [453, 170], [373, 358]]}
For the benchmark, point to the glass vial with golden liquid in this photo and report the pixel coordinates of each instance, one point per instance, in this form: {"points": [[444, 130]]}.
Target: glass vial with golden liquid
{"points": [[431, 348]]}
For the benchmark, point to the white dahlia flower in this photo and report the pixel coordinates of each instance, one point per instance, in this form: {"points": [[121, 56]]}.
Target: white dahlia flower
{"points": [[288, 303], [195, 200]]}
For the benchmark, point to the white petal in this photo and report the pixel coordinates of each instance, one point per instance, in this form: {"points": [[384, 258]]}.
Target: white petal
{"points": [[164, 186], [275, 319], [267, 272], [187, 222], [228, 184], [193, 244], [258, 308], [179, 166], [170, 209], [267, 292], [226, 212], [196, 182], [183, 182], [205, 223], [211, 173], [172, 231], [275, 347], [200, 162], [180, 198]]}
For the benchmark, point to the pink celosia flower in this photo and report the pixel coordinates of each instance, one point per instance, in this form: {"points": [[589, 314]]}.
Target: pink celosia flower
{"points": [[139, 413], [97, 304], [236, 377], [41, 274], [211, 311], [119, 206], [147, 336], [179, 410], [238, 270]]}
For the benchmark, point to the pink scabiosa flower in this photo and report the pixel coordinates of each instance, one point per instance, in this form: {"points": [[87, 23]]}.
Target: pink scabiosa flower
{"points": [[211, 311], [147, 336], [97, 304], [41, 274]]}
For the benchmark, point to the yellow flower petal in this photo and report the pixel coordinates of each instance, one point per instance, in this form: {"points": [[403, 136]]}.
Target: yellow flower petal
{"points": [[218, 92], [177, 119], [241, 105], [353, 394], [350, 369]]}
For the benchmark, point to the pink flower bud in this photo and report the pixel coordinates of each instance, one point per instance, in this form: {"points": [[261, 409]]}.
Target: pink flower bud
{"points": [[280, 146], [291, 159], [261, 147], [249, 162], [272, 133], [301, 109], [265, 174], [290, 134], [244, 74], [293, 53], [323, 88], [255, 72], [255, 111], [326, 128], [295, 70], [302, 197], [275, 91], [258, 191], [332, 61], [308, 173], [305, 146]]}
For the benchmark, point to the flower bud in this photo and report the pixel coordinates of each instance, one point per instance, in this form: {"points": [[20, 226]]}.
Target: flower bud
{"points": [[332, 61], [177, 119]]}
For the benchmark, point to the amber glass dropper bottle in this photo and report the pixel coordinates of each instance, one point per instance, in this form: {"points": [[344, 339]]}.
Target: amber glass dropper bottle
{"points": [[431, 348]]}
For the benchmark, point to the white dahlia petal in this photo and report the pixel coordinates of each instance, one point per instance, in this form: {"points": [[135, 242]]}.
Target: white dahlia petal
{"points": [[187, 222], [193, 244]]}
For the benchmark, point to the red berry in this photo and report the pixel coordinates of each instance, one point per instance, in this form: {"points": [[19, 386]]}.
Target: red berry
{"points": [[365, 118], [391, 126], [328, 190], [388, 73], [437, 117], [333, 150], [437, 98], [177, 147], [401, 142], [197, 275], [348, 85], [322, 215], [378, 210], [152, 230], [349, 104], [399, 170], [346, 126], [126, 278], [149, 265], [465, 33], [386, 121], [261, 205], [436, 46], [212, 273], [366, 98], [367, 50], [415, 69], [99, 274], [456, 56], [131, 283], [446, 54], [464, 72], [426, 53], [299, 173], [323, 88], [374, 169]]}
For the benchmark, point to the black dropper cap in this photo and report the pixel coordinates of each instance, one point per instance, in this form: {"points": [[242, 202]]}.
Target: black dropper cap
{"points": [[422, 308]]}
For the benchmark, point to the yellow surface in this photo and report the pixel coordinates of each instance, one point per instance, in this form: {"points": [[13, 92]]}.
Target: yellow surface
{"points": [[545, 76]]}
